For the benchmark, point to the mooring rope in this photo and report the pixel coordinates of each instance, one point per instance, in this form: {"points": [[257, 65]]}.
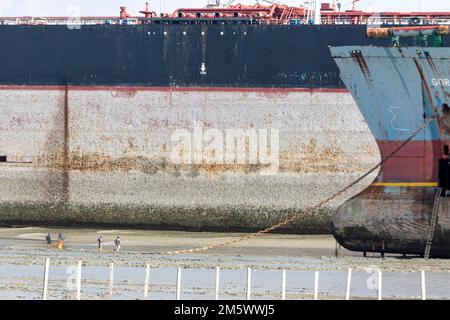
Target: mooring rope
{"points": [[310, 209]]}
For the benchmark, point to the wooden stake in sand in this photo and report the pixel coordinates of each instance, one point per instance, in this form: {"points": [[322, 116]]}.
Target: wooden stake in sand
{"points": [[111, 279], [380, 285], [249, 283], [217, 283], [316, 285], [349, 284], [179, 284], [423, 285], [146, 281], [45, 287], [79, 280]]}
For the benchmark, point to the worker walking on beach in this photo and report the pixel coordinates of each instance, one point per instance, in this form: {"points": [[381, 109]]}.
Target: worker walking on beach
{"points": [[61, 239], [100, 243], [117, 244], [48, 238]]}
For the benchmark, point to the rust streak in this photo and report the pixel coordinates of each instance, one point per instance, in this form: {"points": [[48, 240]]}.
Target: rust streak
{"points": [[358, 57], [431, 62], [424, 80], [66, 165]]}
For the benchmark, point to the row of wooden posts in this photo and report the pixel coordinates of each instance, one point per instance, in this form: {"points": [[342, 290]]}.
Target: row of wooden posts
{"points": [[217, 283]]}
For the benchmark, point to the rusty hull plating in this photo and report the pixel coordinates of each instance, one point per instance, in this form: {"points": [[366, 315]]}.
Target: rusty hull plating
{"points": [[396, 90]]}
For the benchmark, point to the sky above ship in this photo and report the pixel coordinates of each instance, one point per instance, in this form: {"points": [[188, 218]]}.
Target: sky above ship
{"points": [[111, 7]]}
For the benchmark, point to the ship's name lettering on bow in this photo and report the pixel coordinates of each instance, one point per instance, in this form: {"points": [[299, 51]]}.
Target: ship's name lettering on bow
{"points": [[440, 82]]}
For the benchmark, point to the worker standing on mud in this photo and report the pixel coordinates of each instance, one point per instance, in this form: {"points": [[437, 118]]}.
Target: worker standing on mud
{"points": [[48, 238], [117, 244], [100, 243], [61, 239]]}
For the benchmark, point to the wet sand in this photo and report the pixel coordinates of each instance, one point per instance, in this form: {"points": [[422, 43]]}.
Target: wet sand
{"points": [[159, 241], [23, 252]]}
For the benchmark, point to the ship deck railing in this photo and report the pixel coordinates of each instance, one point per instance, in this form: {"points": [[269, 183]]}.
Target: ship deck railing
{"points": [[445, 20]]}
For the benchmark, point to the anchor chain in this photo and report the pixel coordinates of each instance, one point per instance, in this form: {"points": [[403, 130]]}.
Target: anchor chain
{"points": [[310, 209]]}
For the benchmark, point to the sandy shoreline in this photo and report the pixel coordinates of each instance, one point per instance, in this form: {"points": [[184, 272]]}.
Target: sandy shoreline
{"points": [[23, 252], [141, 247]]}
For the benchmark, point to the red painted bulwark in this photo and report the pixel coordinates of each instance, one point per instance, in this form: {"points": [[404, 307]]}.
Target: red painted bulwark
{"points": [[185, 89]]}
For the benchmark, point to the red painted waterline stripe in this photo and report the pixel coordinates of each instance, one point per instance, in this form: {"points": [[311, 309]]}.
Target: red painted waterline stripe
{"points": [[176, 89], [416, 162]]}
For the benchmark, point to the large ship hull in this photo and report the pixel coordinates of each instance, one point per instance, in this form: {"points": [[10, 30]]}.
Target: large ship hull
{"points": [[170, 55], [88, 118], [103, 156], [399, 91]]}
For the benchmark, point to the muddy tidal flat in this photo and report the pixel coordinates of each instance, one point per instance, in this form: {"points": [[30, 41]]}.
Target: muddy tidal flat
{"points": [[23, 252]]}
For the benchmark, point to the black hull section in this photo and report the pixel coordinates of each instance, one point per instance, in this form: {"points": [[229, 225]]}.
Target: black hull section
{"points": [[393, 220], [176, 55]]}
